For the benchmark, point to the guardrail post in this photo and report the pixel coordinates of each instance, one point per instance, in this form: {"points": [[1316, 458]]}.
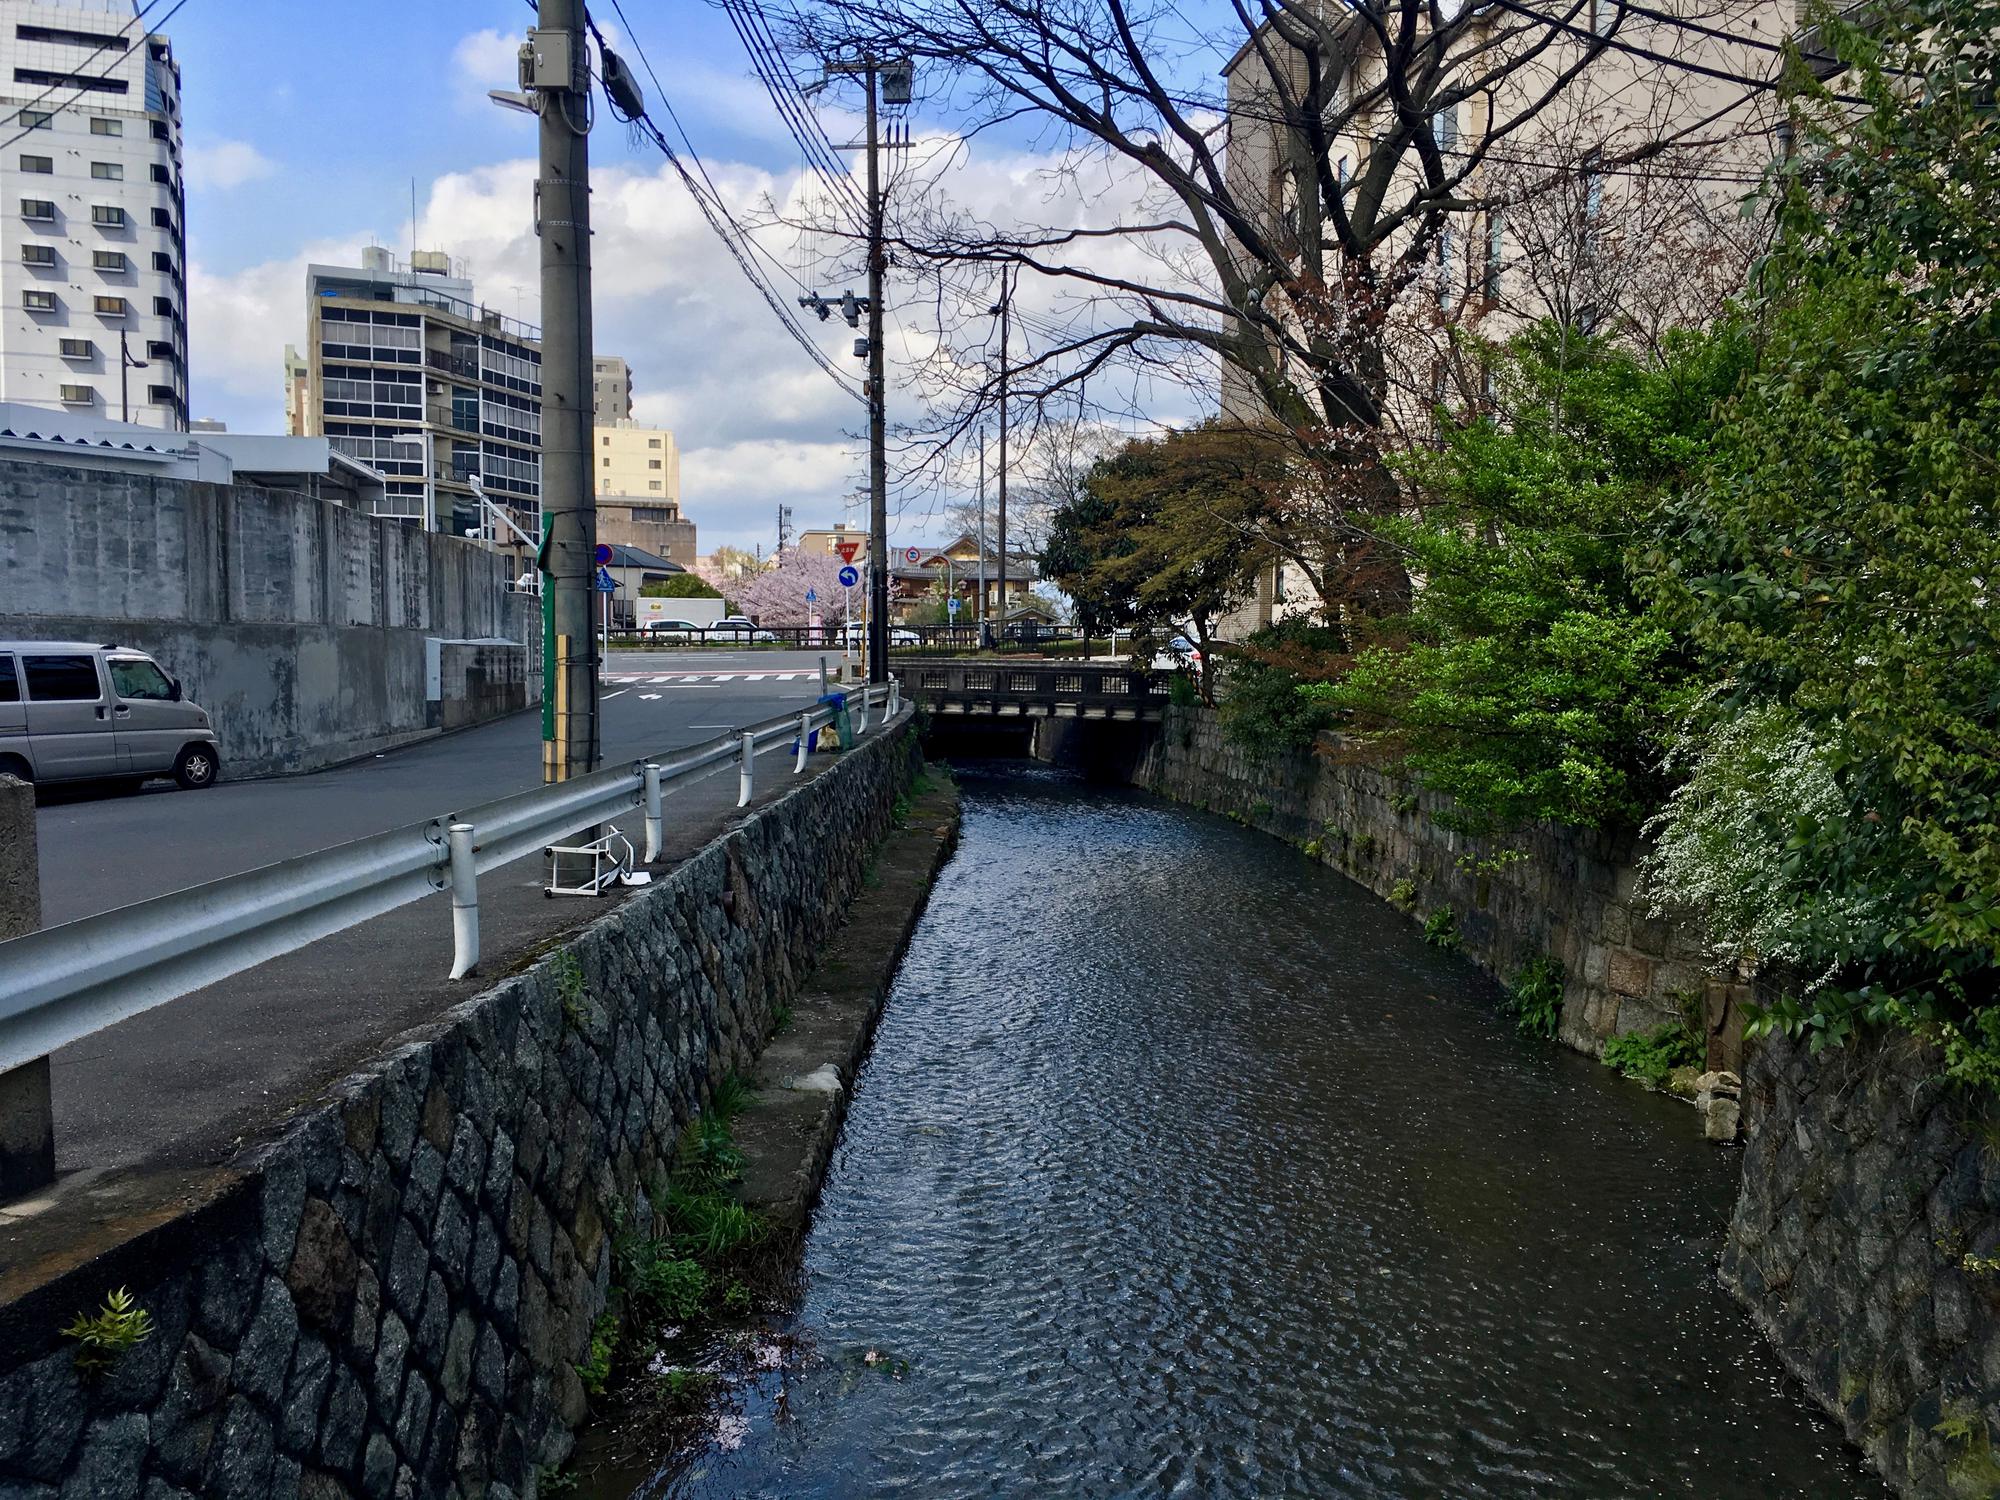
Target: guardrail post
{"points": [[747, 771], [805, 737], [653, 819], [27, 1115], [464, 901], [861, 723], [895, 696]]}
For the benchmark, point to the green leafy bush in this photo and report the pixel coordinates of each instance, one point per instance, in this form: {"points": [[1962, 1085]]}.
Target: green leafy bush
{"points": [[1441, 929], [1535, 996], [1263, 709], [1650, 1056]]}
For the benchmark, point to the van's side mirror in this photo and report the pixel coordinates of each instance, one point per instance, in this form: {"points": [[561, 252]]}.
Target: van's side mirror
{"points": [[174, 685]]}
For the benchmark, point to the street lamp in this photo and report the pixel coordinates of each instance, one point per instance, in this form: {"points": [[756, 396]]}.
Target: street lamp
{"points": [[126, 365]]}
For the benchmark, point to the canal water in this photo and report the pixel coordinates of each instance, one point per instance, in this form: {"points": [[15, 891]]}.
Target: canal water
{"points": [[1182, 1167]]}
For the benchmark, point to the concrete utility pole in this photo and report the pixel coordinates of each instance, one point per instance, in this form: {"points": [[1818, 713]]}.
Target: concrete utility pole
{"points": [[1002, 307], [553, 65], [878, 486], [982, 536]]}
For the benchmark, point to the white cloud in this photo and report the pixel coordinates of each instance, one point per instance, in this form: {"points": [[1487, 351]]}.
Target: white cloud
{"points": [[758, 423], [222, 165]]}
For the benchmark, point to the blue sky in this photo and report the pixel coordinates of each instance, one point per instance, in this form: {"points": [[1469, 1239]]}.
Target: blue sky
{"points": [[306, 124]]}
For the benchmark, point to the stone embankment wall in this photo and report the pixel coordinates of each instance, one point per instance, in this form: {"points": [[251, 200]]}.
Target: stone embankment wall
{"points": [[301, 626], [1866, 1236], [392, 1298], [1866, 1243], [1573, 895]]}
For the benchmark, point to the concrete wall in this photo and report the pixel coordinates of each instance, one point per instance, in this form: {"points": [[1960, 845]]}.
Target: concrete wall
{"points": [[391, 1299], [298, 624], [1573, 895]]}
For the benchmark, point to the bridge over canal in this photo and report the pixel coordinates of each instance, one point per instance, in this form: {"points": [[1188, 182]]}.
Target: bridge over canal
{"points": [[998, 690]]}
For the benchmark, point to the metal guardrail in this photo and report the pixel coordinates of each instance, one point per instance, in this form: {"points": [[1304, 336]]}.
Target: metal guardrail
{"points": [[59, 985], [1038, 688]]}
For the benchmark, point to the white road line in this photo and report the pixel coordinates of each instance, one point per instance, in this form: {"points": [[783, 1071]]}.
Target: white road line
{"points": [[609, 696], [649, 697], [658, 680], [790, 676], [725, 677]]}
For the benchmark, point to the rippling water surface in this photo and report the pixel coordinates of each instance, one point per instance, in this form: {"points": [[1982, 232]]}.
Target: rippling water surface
{"points": [[1182, 1167]]}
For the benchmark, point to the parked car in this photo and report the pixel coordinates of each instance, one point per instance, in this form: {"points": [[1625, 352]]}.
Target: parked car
{"points": [[738, 627], [671, 630], [1180, 653], [78, 711], [856, 632]]}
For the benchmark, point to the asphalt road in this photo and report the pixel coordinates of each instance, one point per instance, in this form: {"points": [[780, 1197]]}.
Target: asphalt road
{"points": [[103, 848]]}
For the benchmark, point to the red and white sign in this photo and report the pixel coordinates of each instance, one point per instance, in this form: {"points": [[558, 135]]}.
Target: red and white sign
{"points": [[847, 550], [914, 554]]}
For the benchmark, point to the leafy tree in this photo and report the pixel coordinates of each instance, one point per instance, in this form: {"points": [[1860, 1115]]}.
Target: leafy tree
{"points": [[1838, 565], [1529, 680], [1163, 533], [681, 586]]}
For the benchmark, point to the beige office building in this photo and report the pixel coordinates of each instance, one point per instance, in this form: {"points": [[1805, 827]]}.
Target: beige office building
{"points": [[639, 490]]}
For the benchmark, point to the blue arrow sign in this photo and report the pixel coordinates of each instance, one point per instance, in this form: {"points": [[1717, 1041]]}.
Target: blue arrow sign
{"points": [[604, 583], [954, 603], [849, 577], [812, 596]]}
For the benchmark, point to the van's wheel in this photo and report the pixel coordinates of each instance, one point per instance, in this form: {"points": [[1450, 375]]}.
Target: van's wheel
{"points": [[197, 767], [13, 765]]}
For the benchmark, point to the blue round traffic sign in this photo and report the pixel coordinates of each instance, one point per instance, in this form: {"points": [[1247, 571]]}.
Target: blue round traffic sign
{"points": [[603, 554], [849, 577]]}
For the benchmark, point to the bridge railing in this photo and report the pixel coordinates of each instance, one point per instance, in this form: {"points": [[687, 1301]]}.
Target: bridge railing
{"points": [[63, 983], [1082, 686]]}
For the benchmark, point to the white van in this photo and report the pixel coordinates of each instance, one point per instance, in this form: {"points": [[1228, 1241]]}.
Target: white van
{"points": [[78, 711]]}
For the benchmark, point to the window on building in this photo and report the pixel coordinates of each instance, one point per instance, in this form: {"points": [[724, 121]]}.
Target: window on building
{"points": [[83, 83], [1445, 268], [111, 307], [654, 463], [39, 301], [108, 171], [654, 484], [61, 679], [607, 463], [163, 262], [1444, 129], [97, 41], [1602, 14], [159, 349], [38, 255], [108, 260], [110, 215], [78, 395], [101, 126], [35, 119], [161, 175], [161, 395], [78, 348], [605, 441], [652, 442], [37, 164], [162, 219], [38, 209], [657, 515], [1496, 255], [163, 307]]}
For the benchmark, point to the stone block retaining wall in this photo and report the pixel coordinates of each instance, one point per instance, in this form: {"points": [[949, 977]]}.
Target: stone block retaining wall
{"points": [[390, 1299], [1866, 1243], [1866, 1236], [1573, 895]]}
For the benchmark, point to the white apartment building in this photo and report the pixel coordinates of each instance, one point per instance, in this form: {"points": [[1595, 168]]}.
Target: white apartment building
{"points": [[93, 241], [611, 389], [409, 373]]}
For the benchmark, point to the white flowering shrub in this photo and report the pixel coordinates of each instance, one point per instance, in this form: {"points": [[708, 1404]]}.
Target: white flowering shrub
{"points": [[1729, 846]]}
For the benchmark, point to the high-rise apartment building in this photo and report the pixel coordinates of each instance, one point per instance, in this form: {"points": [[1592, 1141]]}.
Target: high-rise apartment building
{"points": [[638, 486], [298, 391], [93, 300], [611, 389], [407, 372]]}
